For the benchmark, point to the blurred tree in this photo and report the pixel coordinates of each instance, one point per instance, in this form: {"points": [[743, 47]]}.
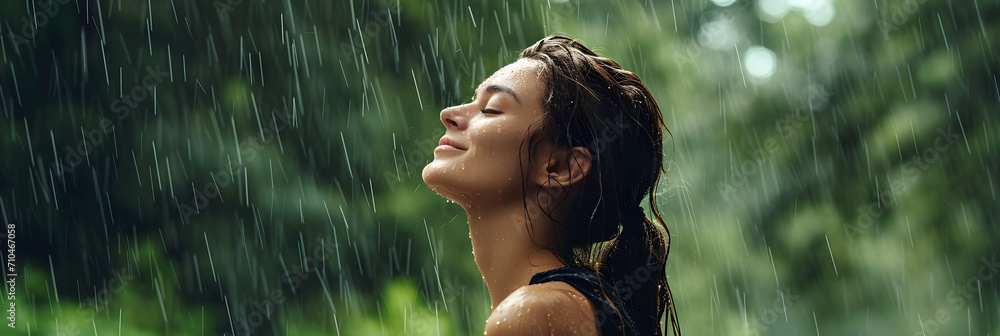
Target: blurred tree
{"points": [[247, 166]]}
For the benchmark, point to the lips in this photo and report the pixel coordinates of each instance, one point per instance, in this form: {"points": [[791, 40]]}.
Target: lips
{"points": [[445, 141]]}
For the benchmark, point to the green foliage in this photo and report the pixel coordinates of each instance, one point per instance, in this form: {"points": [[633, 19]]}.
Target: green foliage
{"points": [[242, 157]]}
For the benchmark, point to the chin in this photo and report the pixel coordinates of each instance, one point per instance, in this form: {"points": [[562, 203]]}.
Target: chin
{"points": [[436, 177], [448, 184]]}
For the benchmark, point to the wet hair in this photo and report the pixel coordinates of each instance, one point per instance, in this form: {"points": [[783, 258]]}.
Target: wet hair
{"points": [[590, 101]]}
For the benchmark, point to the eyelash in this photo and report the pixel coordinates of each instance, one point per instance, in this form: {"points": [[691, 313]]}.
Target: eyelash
{"points": [[489, 111]]}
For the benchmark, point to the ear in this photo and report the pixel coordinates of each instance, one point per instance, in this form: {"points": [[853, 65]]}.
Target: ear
{"points": [[566, 167]]}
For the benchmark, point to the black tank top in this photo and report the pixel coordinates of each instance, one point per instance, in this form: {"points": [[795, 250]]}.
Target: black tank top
{"points": [[611, 319]]}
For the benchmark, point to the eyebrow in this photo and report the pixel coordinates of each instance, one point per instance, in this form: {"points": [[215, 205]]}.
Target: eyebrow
{"points": [[500, 88]]}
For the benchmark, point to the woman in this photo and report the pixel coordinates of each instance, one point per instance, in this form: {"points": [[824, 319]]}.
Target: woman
{"points": [[550, 161]]}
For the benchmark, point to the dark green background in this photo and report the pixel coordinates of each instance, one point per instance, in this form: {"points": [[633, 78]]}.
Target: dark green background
{"points": [[270, 151]]}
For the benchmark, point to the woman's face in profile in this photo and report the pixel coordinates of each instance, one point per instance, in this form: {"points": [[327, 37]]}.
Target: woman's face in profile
{"points": [[485, 140]]}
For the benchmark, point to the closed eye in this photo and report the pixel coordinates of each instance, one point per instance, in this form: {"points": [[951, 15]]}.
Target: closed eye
{"points": [[489, 111]]}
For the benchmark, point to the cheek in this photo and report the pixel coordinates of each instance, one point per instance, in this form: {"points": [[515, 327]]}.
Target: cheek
{"points": [[496, 152], [495, 141]]}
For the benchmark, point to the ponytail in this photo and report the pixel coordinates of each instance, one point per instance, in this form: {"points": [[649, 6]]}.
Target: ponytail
{"points": [[592, 102], [635, 262]]}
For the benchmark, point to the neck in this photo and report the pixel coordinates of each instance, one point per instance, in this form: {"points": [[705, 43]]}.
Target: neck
{"points": [[506, 253]]}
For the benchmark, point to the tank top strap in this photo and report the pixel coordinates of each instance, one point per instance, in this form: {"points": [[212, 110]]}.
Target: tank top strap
{"points": [[611, 320]]}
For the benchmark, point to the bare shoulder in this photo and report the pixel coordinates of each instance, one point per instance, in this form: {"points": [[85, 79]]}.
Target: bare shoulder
{"points": [[551, 308]]}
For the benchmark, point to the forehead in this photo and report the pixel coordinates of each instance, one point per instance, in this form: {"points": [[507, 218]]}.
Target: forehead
{"points": [[525, 77]]}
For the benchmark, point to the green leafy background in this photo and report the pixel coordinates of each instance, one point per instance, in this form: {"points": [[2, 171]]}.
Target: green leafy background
{"points": [[827, 198]]}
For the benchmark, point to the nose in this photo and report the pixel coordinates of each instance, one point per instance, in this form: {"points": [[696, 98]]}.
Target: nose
{"points": [[454, 117]]}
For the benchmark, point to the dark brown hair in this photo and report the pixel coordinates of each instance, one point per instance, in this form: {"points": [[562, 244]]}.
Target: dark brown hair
{"points": [[592, 102]]}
